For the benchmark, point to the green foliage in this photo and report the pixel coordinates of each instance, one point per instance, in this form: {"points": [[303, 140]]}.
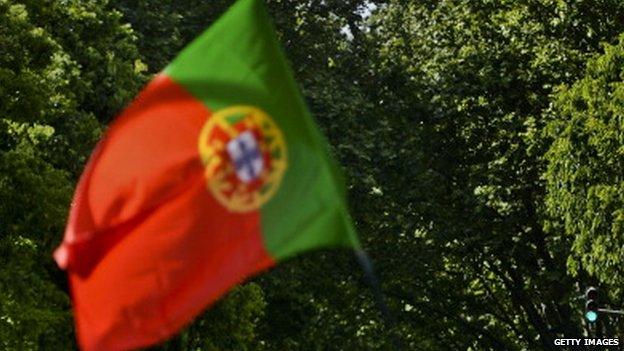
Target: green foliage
{"points": [[33, 199], [585, 164], [479, 150], [55, 77], [448, 186], [164, 27]]}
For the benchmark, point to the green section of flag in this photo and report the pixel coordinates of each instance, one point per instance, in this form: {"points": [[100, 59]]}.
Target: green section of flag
{"points": [[238, 61]]}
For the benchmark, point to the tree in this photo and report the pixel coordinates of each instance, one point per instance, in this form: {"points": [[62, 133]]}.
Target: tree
{"points": [[584, 173], [56, 76], [459, 224]]}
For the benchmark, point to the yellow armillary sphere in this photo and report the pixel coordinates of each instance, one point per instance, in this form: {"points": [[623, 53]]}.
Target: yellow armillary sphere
{"points": [[244, 155]]}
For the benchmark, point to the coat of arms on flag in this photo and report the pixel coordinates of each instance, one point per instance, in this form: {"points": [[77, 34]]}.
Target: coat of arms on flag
{"points": [[245, 157]]}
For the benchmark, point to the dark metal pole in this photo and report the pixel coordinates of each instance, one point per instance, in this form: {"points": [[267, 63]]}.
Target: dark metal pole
{"points": [[371, 278]]}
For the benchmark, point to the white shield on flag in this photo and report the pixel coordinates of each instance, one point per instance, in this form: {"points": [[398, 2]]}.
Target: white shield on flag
{"points": [[246, 156]]}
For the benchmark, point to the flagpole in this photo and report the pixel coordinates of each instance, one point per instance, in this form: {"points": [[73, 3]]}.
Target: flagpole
{"points": [[373, 281]]}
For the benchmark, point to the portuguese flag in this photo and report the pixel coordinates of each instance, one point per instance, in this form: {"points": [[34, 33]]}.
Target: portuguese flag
{"points": [[214, 173]]}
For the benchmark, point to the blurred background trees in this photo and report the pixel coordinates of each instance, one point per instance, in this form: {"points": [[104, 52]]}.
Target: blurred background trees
{"points": [[482, 142], [584, 173]]}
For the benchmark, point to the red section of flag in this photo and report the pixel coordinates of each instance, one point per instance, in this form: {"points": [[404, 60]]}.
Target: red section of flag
{"points": [[147, 247]]}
